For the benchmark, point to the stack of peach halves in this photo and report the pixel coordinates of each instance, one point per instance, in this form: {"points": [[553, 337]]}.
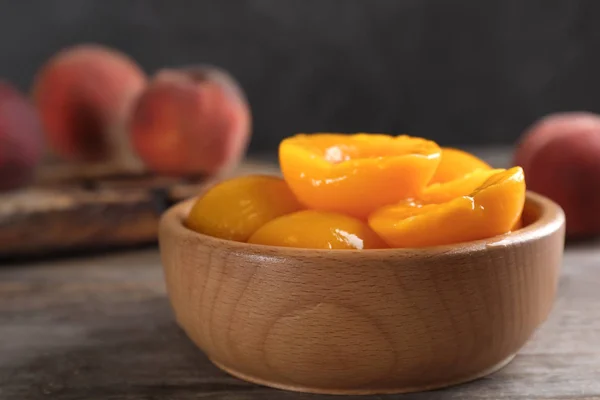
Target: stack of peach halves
{"points": [[364, 191], [95, 105]]}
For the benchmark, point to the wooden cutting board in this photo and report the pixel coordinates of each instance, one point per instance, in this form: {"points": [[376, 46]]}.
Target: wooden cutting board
{"points": [[72, 209]]}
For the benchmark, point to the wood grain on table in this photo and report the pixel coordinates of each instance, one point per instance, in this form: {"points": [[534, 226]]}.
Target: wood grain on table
{"points": [[100, 327], [71, 208]]}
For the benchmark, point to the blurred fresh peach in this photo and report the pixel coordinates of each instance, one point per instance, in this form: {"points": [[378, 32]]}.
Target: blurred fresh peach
{"points": [[21, 140], [560, 155], [84, 95], [190, 121]]}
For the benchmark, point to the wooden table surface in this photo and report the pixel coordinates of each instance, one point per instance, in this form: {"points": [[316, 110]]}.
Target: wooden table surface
{"points": [[100, 327]]}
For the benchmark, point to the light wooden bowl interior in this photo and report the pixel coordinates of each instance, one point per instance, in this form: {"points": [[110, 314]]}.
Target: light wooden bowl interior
{"points": [[358, 322]]}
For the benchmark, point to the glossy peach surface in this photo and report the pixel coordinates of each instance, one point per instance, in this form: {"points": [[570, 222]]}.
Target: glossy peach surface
{"points": [[317, 230], [236, 208], [356, 174], [365, 191], [455, 164], [492, 209], [445, 191]]}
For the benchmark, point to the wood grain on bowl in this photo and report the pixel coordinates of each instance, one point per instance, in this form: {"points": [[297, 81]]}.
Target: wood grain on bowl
{"points": [[376, 321]]}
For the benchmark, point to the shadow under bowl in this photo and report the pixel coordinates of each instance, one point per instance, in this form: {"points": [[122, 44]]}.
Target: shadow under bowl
{"points": [[363, 322]]}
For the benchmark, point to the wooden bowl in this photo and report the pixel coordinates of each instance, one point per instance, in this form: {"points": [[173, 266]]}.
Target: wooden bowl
{"points": [[360, 322]]}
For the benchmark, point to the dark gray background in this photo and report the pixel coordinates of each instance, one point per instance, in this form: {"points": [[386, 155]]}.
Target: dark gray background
{"points": [[457, 71]]}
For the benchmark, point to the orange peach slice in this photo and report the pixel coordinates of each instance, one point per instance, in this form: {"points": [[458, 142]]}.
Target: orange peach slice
{"points": [[455, 164], [317, 230], [492, 209], [442, 192], [356, 174], [236, 208]]}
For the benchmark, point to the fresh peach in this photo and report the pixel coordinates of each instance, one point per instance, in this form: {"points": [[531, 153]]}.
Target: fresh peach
{"points": [[191, 121], [84, 94], [20, 138], [560, 155]]}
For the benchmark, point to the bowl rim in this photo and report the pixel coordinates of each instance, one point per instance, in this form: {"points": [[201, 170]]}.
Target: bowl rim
{"points": [[551, 219]]}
